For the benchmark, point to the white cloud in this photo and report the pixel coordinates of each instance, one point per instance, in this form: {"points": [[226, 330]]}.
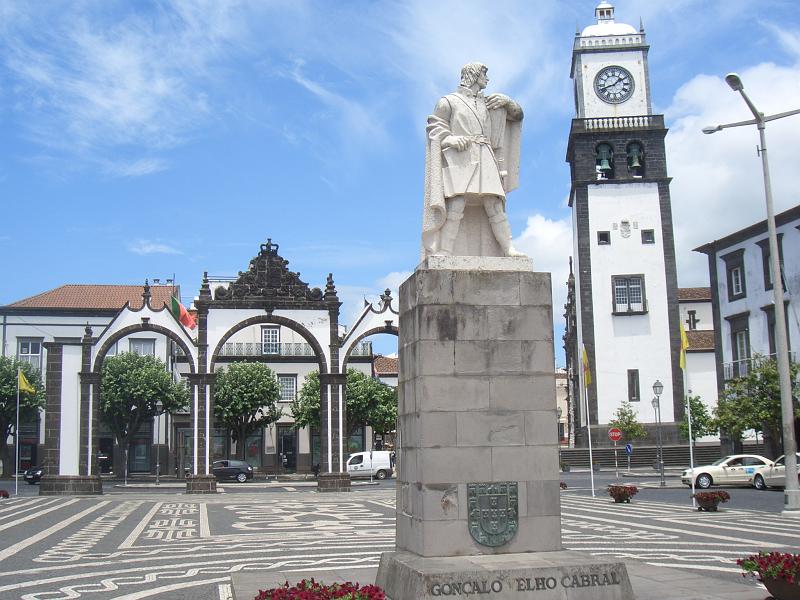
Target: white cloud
{"points": [[718, 186], [549, 244], [136, 168], [89, 80], [145, 247]]}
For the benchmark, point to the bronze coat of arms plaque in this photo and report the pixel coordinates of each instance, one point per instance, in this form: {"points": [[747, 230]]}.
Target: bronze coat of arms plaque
{"points": [[492, 512]]}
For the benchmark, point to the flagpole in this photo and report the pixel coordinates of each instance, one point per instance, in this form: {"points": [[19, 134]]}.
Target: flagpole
{"points": [[589, 433], [688, 397], [16, 440], [586, 378]]}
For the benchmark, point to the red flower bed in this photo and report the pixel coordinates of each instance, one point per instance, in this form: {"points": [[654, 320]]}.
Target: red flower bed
{"points": [[622, 493], [773, 565], [308, 589], [562, 485], [715, 496], [3, 494]]}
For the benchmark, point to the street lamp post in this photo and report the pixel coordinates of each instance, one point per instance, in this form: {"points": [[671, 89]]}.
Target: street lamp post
{"points": [[658, 388], [159, 411], [559, 412], [791, 498]]}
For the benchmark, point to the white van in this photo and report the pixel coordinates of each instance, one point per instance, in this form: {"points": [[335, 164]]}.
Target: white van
{"points": [[378, 463]]}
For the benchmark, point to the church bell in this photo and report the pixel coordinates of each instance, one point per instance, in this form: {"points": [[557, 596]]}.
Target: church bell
{"points": [[634, 155], [605, 156]]}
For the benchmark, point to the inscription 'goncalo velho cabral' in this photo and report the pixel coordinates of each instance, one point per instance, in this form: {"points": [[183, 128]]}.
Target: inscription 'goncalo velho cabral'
{"points": [[524, 584]]}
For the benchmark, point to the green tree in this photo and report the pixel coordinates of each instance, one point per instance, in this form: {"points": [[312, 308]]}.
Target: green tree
{"points": [[245, 398], [369, 402], [130, 387], [703, 423], [754, 402], [29, 404], [626, 420]]}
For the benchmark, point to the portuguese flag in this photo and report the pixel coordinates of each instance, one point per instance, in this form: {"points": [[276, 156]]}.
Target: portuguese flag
{"points": [[180, 312]]}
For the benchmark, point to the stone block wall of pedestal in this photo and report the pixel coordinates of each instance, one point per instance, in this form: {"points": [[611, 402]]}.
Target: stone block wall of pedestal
{"points": [[476, 403]]}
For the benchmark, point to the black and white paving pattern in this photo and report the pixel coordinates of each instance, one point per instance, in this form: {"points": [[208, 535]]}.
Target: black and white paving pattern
{"points": [[134, 545]]}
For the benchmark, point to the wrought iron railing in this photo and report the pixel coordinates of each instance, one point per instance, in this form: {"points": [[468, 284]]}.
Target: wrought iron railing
{"points": [[740, 368], [282, 349]]}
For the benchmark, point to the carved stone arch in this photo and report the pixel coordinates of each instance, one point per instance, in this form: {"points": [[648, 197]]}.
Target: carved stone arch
{"points": [[275, 320], [390, 329], [150, 328]]}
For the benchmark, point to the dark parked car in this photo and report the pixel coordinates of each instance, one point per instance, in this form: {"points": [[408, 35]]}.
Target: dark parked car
{"points": [[232, 469], [34, 475]]}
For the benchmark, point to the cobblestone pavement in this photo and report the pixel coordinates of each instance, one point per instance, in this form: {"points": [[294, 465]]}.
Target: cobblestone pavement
{"points": [[135, 545]]}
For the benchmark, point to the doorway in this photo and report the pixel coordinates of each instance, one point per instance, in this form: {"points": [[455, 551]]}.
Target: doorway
{"points": [[287, 448]]}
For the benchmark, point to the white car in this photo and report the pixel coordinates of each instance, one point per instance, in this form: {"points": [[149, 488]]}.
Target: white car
{"points": [[736, 469], [773, 475]]}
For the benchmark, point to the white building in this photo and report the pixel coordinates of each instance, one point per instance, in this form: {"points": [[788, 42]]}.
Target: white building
{"points": [[625, 299], [742, 295], [266, 314]]}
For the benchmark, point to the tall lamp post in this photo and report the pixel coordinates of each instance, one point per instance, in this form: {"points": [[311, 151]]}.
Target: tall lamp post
{"points": [[159, 412], [791, 497], [559, 412], [658, 388]]}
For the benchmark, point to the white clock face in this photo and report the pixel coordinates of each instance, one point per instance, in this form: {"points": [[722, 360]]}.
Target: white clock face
{"points": [[613, 84]]}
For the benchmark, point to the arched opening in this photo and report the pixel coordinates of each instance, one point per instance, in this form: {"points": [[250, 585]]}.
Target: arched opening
{"points": [[150, 448]]}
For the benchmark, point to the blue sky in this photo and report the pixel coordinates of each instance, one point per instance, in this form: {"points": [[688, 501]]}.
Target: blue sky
{"points": [[150, 138]]}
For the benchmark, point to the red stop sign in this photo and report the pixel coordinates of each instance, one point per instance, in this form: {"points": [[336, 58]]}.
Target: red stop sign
{"points": [[614, 434]]}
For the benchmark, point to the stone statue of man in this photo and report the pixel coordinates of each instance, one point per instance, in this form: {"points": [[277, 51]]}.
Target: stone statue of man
{"points": [[472, 158]]}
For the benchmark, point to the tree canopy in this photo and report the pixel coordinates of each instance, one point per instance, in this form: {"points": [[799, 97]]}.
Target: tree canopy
{"points": [[703, 422], [627, 421], [754, 402], [369, 402], [29, 403], [130, 386], [245, 398]]}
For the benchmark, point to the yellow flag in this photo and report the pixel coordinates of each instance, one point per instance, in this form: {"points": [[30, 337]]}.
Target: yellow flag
{"points": [[684, 346], [587, 374], [23, 384]]}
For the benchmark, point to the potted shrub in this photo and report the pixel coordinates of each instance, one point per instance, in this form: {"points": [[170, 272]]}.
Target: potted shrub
{"points": [[622, 493], [565, 467], [3, 494], [562, 485], [779, 572], [308, 589], [709, 501]]}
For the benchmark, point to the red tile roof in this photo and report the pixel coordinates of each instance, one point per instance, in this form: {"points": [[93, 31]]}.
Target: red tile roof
{"points": [[99, 297], [694, 293], [386, 365], [700, 339]]}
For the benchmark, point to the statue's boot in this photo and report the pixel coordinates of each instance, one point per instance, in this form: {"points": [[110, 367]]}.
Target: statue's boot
{"points": [[502, 233], [449, 232]]}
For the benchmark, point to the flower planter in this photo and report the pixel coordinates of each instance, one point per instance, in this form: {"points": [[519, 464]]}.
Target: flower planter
{"points": [[710, 501], [622, 493], [779, 572], [708, 505], [781, 589]]}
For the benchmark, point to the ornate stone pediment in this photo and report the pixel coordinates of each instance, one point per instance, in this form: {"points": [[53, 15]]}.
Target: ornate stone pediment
{"points": [[268, 279]]}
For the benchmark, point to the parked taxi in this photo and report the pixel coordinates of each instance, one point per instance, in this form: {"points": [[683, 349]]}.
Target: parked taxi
{"points": [[772, 475], [735, 469]]}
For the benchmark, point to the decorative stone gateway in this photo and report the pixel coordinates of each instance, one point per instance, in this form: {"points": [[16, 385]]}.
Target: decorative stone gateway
{"points": [[541, 575], [333, 482], [201, 484], [70, 485]]}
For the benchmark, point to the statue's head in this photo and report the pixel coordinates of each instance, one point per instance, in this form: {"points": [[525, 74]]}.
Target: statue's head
{"points": [[470, 73]]}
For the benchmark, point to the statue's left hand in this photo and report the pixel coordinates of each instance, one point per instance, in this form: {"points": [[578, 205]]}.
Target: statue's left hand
{"points": [[497, 101]]}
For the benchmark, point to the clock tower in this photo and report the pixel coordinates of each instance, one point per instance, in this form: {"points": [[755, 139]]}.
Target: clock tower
{"points": [[625, 301]]}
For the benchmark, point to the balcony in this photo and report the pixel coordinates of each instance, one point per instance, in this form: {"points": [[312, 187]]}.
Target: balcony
{"points": [[282, 349], [740, 368], [617, 123]]}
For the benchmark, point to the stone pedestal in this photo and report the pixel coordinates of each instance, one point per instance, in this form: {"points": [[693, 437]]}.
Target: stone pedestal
{"points": [[201, 484], [546, 575], [70, 485], [333, 482], [476, 404], [478, 477]]}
